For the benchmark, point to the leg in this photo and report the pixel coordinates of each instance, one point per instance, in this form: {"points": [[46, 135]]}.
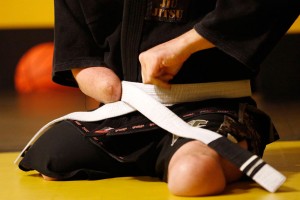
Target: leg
{"points": [[197, 170], [63, 153]]}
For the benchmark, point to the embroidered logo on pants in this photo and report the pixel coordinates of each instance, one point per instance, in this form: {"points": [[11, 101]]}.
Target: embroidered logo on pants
{"points": [[195, 123]]}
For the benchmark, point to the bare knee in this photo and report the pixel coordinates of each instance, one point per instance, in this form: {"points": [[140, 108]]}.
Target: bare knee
{"points": [[196, 175]]}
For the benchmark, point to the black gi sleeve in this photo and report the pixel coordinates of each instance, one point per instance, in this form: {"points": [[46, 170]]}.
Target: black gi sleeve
{"points": [[248, 29], [79, 42]]}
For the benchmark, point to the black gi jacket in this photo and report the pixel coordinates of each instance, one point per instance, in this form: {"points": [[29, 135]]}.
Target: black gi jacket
{"points": [[88, 33]]}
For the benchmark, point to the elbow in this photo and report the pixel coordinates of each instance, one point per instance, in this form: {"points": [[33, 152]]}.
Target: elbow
{"points": [[111, 91], [99, 83]]}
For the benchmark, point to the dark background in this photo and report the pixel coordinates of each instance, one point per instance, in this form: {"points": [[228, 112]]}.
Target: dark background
{"points": [[13, 44]]}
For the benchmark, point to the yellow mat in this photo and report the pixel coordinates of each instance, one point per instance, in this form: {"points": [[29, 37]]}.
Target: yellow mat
{"points": [[15, 184]]}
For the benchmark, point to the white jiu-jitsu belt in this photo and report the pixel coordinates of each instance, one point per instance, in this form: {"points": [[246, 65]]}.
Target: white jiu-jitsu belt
{"points": [[149, 100]]}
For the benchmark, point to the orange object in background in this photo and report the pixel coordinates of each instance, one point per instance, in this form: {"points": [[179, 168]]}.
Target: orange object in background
{"points": [[34, 70]]}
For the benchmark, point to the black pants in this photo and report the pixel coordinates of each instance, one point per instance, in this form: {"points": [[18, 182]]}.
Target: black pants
{"points": [[131, 145]]}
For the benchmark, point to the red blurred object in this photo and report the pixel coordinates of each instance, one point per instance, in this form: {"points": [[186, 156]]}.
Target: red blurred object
{"points": [[34, 70]]}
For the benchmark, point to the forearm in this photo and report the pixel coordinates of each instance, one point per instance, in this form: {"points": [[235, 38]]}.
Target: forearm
{"points": [[191, 42], [100, 83]]}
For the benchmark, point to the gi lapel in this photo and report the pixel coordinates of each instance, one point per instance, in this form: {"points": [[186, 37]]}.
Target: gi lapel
{"points": [[132, 26]]}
